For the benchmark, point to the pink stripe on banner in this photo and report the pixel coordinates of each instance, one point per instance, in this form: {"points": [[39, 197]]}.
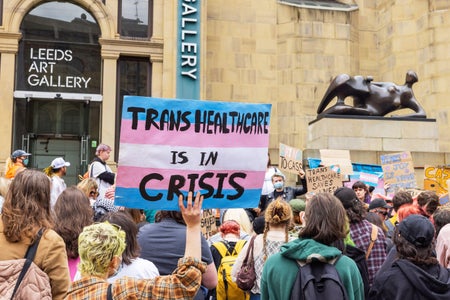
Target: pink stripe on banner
{"points": [[129, 177], [189, 137]]}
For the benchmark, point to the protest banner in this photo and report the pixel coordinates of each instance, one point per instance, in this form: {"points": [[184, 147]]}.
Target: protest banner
{"points": [[208, 223], [331, 157], [322, 180], [398, 171], [172, 146], [435, 179], [290, 159]]}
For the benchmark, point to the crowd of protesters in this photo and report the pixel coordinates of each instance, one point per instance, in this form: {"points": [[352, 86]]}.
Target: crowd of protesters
{"points": [[381, 247]]}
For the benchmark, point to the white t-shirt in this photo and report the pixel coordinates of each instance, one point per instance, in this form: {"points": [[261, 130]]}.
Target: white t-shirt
{"points": [[96, 169], [139, 268], [58, 186]]}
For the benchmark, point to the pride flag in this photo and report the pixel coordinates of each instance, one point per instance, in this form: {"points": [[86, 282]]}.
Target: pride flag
{"points": [[172, 146]]}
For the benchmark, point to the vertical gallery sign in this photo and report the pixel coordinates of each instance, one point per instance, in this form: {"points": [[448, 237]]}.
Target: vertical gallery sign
{"points": [[188, 49]]}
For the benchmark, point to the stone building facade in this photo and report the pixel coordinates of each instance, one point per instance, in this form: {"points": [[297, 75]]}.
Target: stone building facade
{"points": [[282, 52]]}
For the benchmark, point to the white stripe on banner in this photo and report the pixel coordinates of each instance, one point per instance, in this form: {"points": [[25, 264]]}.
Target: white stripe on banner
{"points": [[191, 158]]}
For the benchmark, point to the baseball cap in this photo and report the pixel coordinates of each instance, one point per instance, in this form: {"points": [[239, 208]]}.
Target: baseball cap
{"points": [[59, 162], [19, 153], [378, 202], [417, 230], [347, 196]]}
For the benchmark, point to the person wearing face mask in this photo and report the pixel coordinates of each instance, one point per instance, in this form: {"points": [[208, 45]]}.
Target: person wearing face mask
{"points": [[287, 193], [15, 163]]}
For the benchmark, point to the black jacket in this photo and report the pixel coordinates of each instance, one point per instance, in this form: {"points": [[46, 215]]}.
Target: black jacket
{"points": [[407, 281]]}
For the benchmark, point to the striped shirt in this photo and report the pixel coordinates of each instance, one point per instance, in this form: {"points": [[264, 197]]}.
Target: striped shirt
{"points": [[182, 284]]}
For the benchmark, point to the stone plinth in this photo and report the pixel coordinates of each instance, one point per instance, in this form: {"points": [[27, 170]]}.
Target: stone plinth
{"points": [[373, 134]]}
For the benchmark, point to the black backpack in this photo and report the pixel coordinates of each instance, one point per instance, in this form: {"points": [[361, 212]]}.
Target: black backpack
{"points": [[318, 280]]}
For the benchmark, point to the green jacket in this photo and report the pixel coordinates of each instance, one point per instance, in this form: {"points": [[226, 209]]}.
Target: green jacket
{"points": [[281, 269]]}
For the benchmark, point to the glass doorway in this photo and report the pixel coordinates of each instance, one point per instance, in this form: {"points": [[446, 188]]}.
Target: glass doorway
{"points": [[58, 128]]}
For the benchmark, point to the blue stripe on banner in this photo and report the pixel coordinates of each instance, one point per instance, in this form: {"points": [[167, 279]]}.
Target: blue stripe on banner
{"points": [[132, 198], [143, 107]]}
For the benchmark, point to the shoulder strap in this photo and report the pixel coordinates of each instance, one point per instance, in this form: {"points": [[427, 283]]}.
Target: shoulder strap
{"points": [[373, 238], [239, 245], [221, 247], [109, 293], [249, 254], [29, 257]]}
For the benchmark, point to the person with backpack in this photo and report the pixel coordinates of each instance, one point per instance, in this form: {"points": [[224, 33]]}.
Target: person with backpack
{"points": [[99, 170], [224, 254], [26, 212], [277, 220], [309, 267]]}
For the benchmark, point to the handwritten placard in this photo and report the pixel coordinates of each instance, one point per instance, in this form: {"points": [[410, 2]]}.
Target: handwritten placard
{"points": [[172, 146], [208, 223], [435, 178], [290, 159], [398, 169], [322, 180]]}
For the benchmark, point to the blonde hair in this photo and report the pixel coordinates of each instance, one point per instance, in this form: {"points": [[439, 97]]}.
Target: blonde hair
{"points": [[278, 213], [49, 171], [97, 245], [9, 164], [4, 186], [87, 185]]}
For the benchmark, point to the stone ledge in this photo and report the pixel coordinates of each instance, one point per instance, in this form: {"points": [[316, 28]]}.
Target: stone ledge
{"points": [[373, 134]]}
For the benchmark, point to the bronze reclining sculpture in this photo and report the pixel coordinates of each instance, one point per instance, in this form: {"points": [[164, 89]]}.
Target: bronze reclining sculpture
{"points": [[371, 98]]}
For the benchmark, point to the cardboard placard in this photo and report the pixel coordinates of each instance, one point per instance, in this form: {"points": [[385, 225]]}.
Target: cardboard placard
{"points": [[322, 180], [337, 157], [436, 178], [208, 223], [290, 159], [398, 169]]}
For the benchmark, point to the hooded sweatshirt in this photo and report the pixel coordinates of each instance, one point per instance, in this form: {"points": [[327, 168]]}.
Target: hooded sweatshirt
{"points": [[443, 246], [281, 269], [405, 280]]}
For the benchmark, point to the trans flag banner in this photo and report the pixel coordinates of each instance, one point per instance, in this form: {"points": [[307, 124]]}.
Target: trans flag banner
{"points": [[172, 146]]}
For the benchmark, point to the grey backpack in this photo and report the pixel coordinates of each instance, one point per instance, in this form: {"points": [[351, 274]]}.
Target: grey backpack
{"points": [[318, 280]]}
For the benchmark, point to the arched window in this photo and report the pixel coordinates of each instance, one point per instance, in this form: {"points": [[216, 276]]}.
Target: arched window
{"points": [[59, 50]]}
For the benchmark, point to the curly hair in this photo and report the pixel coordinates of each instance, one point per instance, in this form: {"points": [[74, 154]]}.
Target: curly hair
{"points": [[98, 244], [416, 255], [124, 220], [326, 219], [72, 212], [27, 206], [278, 213]]}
